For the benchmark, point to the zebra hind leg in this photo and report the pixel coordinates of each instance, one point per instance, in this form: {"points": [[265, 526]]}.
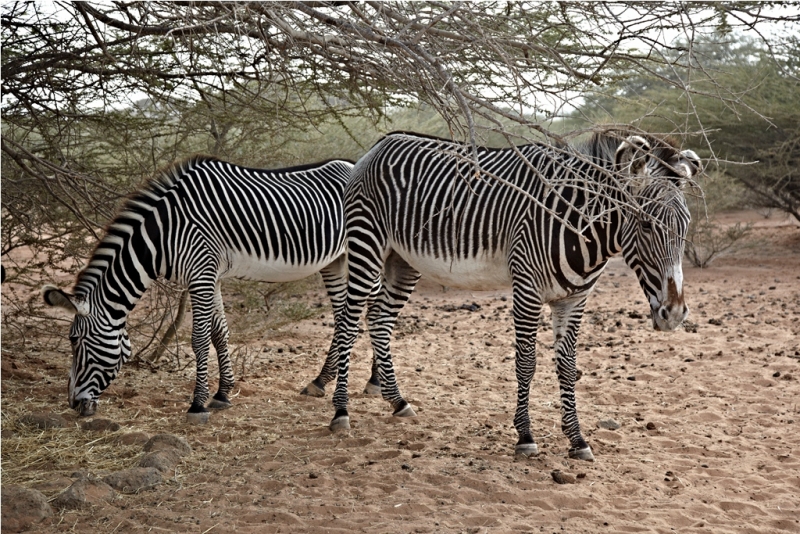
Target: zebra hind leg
{"points": [[399, 281], [373, 386], [335, 278]]}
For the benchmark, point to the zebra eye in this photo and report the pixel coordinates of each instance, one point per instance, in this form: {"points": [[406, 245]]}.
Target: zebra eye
{"points": [[74, 340], [647, 226]]}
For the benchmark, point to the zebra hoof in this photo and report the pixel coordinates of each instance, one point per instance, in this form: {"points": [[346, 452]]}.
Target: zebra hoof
{"points": [[406, 411], [197, 418], [582, 454], [526, 450], [340, 423], [372, 389], [313, 390]]}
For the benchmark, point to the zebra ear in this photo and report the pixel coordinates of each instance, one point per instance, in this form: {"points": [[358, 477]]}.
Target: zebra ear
{"points": [[690, 165], [60, 299], [631, 159]]}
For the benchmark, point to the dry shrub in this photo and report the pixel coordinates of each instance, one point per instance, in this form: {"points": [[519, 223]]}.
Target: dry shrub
{"points": [[707, 239]]}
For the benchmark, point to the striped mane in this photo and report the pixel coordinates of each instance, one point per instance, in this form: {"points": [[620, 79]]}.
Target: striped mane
{"points": [[150, 192]]}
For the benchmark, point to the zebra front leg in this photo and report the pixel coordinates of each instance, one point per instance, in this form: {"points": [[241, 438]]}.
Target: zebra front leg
{"points": [[399, 280], [526, 310], [219, 338], [567, 316], [202, 310]]}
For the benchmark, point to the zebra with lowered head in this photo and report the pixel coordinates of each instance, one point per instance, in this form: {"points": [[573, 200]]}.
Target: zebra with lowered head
{"points": [[199, 222], [541, 219]]}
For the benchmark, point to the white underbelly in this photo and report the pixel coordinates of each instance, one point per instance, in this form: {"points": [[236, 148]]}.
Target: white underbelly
{"points": [[482, 273], [252, 268]]}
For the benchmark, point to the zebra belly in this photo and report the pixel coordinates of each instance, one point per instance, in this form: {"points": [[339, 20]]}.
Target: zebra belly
{"points": [[484, 272], [273, 270]]}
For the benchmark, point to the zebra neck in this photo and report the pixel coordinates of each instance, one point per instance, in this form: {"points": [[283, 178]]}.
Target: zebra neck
{"points": [[119, 272]]}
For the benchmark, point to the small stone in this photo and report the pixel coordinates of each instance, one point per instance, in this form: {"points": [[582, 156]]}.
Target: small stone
{"points": [[168, 441], [715, 322], [43, 420], [581, 475], [100, 425], [134, 480], [23, 508], [562, 478], [406, 467], [164, 459], [776, 374], [83, 494], [313, 475], [632, 378], [133, 438], [650, 426], [787, 376], [608, 424]]}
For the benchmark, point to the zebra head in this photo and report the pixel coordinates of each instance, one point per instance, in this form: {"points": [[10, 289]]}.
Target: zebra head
{"points": [[99, 348], [654, 232]]}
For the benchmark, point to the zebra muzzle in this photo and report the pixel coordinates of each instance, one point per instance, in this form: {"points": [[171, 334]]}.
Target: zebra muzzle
{"points": [[84, 407]]}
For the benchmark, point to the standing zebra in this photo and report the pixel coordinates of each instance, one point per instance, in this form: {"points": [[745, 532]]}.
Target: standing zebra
{"points": [[199, 222], [417, 205]]}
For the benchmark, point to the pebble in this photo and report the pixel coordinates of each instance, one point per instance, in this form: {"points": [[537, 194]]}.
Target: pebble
{"points": [[650, 426], [84, 493], [562, 478], [100, 425], [23, 508], [608, 424], [43, 420], [168, 441], [134, 480]]}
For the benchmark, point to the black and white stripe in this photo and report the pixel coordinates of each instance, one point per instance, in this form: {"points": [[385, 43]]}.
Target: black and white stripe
{"points": [[418, 205], [199, 222]]}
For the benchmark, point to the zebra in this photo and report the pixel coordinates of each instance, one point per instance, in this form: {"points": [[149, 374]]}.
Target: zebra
{"points": [[541, 219], [198, 222]]}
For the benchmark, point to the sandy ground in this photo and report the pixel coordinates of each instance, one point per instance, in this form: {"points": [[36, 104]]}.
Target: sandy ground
{"points": [[709, 438]]}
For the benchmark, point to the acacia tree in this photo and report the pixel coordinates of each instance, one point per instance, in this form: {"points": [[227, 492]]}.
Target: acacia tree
{"points": [[97, 96]]}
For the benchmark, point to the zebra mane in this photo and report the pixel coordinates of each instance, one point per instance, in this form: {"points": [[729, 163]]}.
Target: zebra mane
{"points": [[602, 145], [151, 191]]}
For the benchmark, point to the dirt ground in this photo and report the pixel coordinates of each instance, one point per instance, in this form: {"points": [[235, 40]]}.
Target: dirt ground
{"points": [[709, 437]]}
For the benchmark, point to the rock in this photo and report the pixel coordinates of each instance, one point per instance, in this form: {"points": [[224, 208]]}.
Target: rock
{"points": [[168, 441], [164, 459], [562, 478], [84, 493], [608, 424], [133, 438], [79, 474], [650, 426], [134, 480], [23, 508], [43, 420], [52, 485], [100, 425]]}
